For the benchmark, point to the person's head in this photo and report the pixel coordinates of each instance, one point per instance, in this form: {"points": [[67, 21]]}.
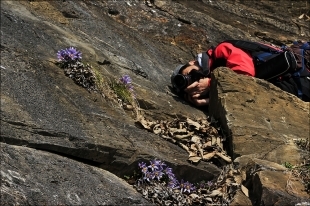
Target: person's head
{"points": [[185, 74], [201, 64], [187, 68]]}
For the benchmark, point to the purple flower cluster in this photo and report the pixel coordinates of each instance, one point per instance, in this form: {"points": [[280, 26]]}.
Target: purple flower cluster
{"points": [[69, 54], [126, 80], [206, 186], [158, 170], [187, 187]]}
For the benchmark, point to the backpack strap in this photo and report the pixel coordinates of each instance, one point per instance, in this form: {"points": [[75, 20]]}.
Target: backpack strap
{"points": [[205, 63], [251, 46], [302, 53], [303, 72], [305, 46]]}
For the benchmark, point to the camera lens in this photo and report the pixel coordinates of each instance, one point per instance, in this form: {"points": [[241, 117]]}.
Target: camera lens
{"points": [[181, 81]]}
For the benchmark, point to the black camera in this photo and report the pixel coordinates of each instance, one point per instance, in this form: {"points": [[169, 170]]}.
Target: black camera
{"points": [[183, 81]]}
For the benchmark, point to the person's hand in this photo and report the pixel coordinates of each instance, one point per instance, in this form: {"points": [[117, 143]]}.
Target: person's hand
{"points": [[198, 89], [197, 102]]}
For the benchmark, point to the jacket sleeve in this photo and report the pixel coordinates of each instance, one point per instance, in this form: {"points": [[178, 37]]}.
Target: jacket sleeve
{"points": [[236, 59]]}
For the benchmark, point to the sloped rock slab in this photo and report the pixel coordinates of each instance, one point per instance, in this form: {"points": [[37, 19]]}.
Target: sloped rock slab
{"points": [[33, 177], [270, 183], [259, 118], [42, 108], [276, 188], [261, 122], [117, 152]]}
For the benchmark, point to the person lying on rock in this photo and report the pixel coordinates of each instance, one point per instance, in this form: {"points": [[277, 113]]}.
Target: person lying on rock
{"points": [[192, 80]]}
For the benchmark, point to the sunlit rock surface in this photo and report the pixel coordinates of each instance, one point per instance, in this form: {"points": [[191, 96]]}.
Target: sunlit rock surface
{"points": [[47, 117]]}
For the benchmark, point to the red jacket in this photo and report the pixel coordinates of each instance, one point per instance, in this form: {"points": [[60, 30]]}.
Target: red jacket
{"points": [[236, 59]]}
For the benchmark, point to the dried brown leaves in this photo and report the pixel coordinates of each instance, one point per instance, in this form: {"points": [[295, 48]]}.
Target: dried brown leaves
{"points": [[202, 143], [201, 140]]}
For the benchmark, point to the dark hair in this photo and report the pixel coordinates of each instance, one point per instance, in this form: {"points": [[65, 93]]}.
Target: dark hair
{"points": [[184, 67]]}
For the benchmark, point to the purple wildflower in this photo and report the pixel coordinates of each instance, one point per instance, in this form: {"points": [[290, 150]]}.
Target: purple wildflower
{"points": [[173, 183], [205, 185], [69, 54], [188, 187], [161, 164], [158, 170], [129, 87], [202, 185], [125, 79], [168, 172], [154, 164], [148, 176], [74, 54], [143, 167], [61, 55], [158, 174], [182, 184]]}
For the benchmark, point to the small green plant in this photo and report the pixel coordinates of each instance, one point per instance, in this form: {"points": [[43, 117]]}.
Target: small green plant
{"points": [[288, 165], [122, 92], [99, 81], [124, 89], [83, 74]]}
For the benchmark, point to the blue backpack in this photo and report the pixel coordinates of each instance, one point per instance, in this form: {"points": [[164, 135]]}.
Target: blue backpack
{"points": [[288, 63], [301, 51]]}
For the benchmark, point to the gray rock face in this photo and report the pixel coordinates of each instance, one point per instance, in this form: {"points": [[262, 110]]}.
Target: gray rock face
{"points": [[34, 177], [60, 142]]}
